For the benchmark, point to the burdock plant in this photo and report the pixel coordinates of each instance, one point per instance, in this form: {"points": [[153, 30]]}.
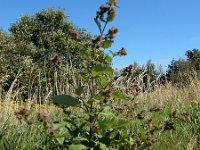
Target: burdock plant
{"points": [[96, 126]]}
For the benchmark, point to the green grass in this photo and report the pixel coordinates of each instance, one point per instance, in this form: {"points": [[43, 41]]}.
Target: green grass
{"points": [[18, 135]]}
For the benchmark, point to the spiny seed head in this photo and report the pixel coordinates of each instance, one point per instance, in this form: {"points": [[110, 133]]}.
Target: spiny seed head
{"points": [[112, 2], [112, 31], [115, 30], [22, 112], [155, 109], [43, 117], [19, 117], [98, 38], [56, 59], [111, 10], [122, 52], [150, 142], [52, 131], [29, 122], [111, 14], [185, 117], [103, 9], [108, 92], [46, 120], [129, 69], [99, 47]]}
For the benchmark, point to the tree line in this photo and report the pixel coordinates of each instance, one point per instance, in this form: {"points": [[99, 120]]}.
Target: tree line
{"points": [[41, 54]]}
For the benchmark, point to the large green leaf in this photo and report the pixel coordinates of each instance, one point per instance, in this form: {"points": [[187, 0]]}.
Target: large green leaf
{"points": [[66, 100], [77, 147], [101, 69]]}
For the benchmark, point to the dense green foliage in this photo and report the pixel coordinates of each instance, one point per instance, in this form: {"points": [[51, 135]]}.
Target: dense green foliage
{"points": [[183, 71], [40, 52]]}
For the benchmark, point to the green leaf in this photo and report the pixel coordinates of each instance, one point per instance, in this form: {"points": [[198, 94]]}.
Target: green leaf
{"points": [[80, 139], [108, 59], [103, 146], [120, 96], [57, 125], [113, 53], [66, 100], [121, 123], [101, 69], [97, 23], [103, 82], [109, 121], [60, 140], [107, 44], [77, 147]]}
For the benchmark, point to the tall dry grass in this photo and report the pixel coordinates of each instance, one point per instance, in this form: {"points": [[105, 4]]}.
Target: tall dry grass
{"points": [[168, 97]]}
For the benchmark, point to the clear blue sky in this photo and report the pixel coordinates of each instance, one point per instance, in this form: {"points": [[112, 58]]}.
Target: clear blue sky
{"points": [[149, 29]]}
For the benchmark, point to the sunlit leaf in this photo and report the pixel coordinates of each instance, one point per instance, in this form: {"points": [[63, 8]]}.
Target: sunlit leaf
{"points": [[101, 69], [77, 147], [103, 82], [109, 121], [103, 146], [60, 140], [108, 59], [107, 44]]}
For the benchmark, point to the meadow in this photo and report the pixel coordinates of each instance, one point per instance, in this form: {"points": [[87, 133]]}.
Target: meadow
{"points": [[60, 92], [166, 103]]}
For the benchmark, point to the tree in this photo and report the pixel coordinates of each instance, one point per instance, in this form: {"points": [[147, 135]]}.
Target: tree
{"points": [[50, 33], [182, 71], [43, 51], [11, 59], [193, 56]]}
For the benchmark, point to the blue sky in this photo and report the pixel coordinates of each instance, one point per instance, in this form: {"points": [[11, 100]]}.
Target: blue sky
{"points": [[159, 30]]}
